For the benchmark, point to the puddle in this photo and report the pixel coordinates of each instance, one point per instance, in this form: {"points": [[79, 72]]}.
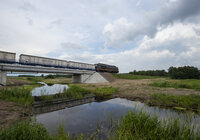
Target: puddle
{"points": [[48, 89], [85, 118]]}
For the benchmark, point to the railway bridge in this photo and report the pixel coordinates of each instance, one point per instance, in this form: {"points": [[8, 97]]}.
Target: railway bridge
{"points": [[79, 76]]}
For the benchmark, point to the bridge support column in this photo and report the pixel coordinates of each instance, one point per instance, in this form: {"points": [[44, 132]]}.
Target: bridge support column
{"points": [[3, 77], [80, 78]]}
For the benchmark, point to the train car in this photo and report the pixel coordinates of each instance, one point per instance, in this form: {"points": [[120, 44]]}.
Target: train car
{"points": [[42, 61], [83, 66], [50, 62], [106, 68], [7, 57]]}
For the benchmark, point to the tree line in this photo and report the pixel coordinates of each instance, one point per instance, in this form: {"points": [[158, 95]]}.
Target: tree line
{"points": [[185, 72]]}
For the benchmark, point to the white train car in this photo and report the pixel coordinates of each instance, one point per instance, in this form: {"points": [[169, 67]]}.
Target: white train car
{"points": [[50, 62], [43, 61], [80, 65], [7, 57]]}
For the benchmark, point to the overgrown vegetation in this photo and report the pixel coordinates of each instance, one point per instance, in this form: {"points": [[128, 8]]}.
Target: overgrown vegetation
{"points": [[186, 72], [141, 126], [75, 92], [150, 72], [104, 92], [190, 102], [20, 95], [133, 77], [189, 84], [25, 130]]}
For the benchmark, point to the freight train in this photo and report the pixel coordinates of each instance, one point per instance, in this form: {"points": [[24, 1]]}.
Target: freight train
{"points": [[8, 57]]}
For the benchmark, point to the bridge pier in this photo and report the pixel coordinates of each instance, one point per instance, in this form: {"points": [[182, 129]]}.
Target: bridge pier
{"points": [[80, 78], [89, 78], [3, 77]]}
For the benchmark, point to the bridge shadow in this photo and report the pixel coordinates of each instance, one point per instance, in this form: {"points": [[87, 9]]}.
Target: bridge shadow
{"points": [[58, 104]]}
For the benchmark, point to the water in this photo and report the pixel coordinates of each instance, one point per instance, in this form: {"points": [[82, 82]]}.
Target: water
{"points": [[86, 118], [48, 89]]}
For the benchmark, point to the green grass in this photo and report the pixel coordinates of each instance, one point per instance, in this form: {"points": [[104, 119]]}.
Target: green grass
{"points": [[20, 95], [25, 131], [75, 92], [105, 91], [189, 84], [141, 126], [190, 102], [134, 77]]}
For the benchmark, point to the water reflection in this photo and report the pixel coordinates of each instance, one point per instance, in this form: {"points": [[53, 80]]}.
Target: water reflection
{"points": [[85, 118], [48, 89]]}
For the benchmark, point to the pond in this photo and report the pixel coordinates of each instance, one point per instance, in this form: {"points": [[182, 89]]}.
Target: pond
{"points": [[86, 118], [48, 89]]}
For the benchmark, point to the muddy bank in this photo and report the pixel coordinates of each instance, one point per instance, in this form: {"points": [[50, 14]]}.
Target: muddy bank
{"points": [[11, 113], [18, 82]]}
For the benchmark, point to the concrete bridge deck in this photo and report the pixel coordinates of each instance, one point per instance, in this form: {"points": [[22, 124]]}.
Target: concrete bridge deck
{"points": [[79, 76]]}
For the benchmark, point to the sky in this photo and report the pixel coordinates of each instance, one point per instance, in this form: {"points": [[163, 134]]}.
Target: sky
{"points": [[131, 34]]}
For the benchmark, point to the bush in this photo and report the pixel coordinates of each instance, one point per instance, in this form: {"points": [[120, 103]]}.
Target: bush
{"points": [[186, 72]]}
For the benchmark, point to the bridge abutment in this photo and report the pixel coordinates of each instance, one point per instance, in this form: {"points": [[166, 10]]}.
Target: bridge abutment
{"points": [[3, 78], [89, 78]]}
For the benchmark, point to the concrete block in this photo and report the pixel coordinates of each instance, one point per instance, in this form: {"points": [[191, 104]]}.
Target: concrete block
{"points": [[3, 78]]}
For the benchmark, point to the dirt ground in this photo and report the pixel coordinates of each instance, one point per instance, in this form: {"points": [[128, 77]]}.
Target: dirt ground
{"points": [[11, 113], [139, 89], [17, 82]]}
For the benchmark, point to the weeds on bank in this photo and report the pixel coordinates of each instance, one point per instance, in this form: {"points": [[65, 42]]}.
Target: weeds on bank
{"points": [[189, 84], [25, 130], [141, 126], [105, 91], [184, 101], [20, 95], [75, 92]]}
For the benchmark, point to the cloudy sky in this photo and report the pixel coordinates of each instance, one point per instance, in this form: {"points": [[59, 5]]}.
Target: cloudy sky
{"points": [[132, 34]]}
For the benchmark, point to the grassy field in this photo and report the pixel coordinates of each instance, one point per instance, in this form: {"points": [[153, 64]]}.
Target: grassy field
{"points": [[134, 77], [183, 102], [189, 84], [140, 126], [20, 95]]}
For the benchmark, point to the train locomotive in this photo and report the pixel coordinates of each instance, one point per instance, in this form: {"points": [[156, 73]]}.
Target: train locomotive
{"points": [[106, 68], [8, 57]]}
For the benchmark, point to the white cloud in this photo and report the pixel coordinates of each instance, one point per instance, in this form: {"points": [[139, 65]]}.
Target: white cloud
{"points": [[175, 45], [122, 31], [156, 34]]}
